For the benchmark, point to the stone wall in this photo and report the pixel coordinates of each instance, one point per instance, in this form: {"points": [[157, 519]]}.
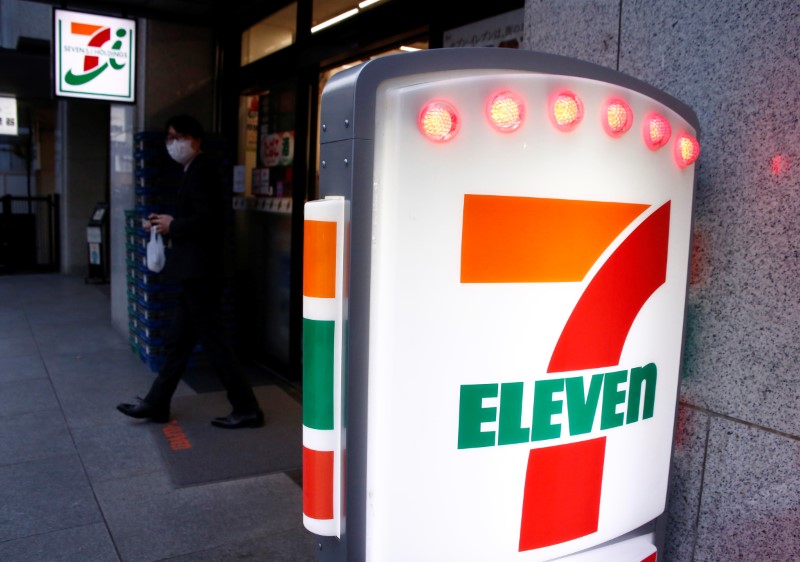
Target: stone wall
{"points": [[736, 476]]}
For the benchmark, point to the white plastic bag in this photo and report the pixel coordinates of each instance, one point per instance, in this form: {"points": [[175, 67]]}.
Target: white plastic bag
{"points": [[155, 252]]}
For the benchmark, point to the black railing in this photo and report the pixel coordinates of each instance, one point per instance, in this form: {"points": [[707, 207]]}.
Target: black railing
{"points": [[29, 234]]}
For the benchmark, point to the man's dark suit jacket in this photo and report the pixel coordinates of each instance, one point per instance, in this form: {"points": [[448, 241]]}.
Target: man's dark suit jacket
{"points": [[198, 226]]}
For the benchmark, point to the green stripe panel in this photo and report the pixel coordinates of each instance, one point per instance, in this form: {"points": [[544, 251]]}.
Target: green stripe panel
{"points": [[318, 373]]}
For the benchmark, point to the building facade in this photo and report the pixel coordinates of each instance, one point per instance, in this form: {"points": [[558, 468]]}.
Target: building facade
{"points": [[253, 75]]}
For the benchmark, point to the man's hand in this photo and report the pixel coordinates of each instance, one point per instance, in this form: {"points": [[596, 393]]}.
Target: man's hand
{"points": [[160, 222]]}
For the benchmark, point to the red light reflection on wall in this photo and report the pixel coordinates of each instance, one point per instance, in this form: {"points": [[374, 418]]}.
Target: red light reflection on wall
{"points": [[779, 164]]}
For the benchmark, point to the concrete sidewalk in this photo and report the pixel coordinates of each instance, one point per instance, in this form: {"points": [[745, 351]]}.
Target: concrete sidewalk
{"points": [[81, 482]]}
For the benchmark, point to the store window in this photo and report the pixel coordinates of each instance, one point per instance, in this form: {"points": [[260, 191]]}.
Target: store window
{"points": [[264, 217], [270, 34], [266, 144]]}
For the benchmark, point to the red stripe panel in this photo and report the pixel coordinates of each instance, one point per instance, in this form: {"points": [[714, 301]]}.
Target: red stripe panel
{"points": [[101, 38], [89, 62], [598, 326], [318, 483], [562, 493], [652, 558]]}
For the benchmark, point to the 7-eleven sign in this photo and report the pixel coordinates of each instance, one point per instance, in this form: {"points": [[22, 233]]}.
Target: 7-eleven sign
{"points": [[514, 233], [94, 56], [531, 240]]}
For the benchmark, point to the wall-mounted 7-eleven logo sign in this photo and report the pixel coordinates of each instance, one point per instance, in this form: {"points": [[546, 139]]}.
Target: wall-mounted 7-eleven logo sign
{"points": [[95, 56], [539, 240]]}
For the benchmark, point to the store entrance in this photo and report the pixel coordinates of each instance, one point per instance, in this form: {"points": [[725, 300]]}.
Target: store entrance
{"points": [[263, 190], [277, 156]]}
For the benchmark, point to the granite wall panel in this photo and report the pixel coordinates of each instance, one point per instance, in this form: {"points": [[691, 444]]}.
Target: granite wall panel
{"points": [[587, 30], [738, 65], [685, 483], [751, 495], [734, 492]]}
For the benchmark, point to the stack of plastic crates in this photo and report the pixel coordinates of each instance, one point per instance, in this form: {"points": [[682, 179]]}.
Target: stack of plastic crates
{"points": [[151, 298], [157, 176]]}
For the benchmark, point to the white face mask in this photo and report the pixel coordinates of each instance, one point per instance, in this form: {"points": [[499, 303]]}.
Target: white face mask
{"points": [[181, 151]]}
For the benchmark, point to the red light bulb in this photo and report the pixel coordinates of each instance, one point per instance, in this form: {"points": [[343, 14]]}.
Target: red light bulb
{"points": [[687, 150], [439, 121], [656, 131], [617, 118], [566, 111], [506, 112]]}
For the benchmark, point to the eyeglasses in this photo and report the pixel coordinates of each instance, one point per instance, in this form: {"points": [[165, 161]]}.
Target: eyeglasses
{"points": [[171, 137]]}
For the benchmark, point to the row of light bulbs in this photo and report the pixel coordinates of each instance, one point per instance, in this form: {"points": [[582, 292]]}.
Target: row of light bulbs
{"points": [[439, 121]]}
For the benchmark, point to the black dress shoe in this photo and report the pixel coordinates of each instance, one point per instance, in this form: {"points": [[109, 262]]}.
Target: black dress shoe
{"points": [[143, 410], [235, 421]]}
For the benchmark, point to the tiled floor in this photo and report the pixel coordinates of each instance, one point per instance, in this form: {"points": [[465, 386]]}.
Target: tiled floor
{"points": [[79, 481]]}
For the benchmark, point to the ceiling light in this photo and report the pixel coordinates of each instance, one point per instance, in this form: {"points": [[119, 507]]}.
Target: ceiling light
{"points": [[334, 20]]}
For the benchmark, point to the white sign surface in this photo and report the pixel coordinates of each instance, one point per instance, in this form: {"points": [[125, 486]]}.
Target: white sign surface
{"points": [[95, 56], [8, 116], [526, 318]]}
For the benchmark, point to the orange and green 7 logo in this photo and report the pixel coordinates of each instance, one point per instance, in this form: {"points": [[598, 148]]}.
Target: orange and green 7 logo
{"points": [[537, 240]]}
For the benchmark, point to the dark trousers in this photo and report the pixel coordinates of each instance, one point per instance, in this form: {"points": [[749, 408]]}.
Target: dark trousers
{"points": [[198, 318]]}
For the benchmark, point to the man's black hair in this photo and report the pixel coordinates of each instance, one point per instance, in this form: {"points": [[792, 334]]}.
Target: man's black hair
{"points": [[185, 125]]}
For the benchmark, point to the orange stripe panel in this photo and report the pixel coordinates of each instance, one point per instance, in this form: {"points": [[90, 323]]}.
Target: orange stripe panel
{"points": [[318, 483], [533, 240], [319, 259], [84, 28]]}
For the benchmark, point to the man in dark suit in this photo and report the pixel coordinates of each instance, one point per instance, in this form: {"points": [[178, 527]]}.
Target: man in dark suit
{"points": [[196, 234]]}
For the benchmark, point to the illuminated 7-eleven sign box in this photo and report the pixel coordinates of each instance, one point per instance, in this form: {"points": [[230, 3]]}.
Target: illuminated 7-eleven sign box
{"points": [[494, 292]]}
